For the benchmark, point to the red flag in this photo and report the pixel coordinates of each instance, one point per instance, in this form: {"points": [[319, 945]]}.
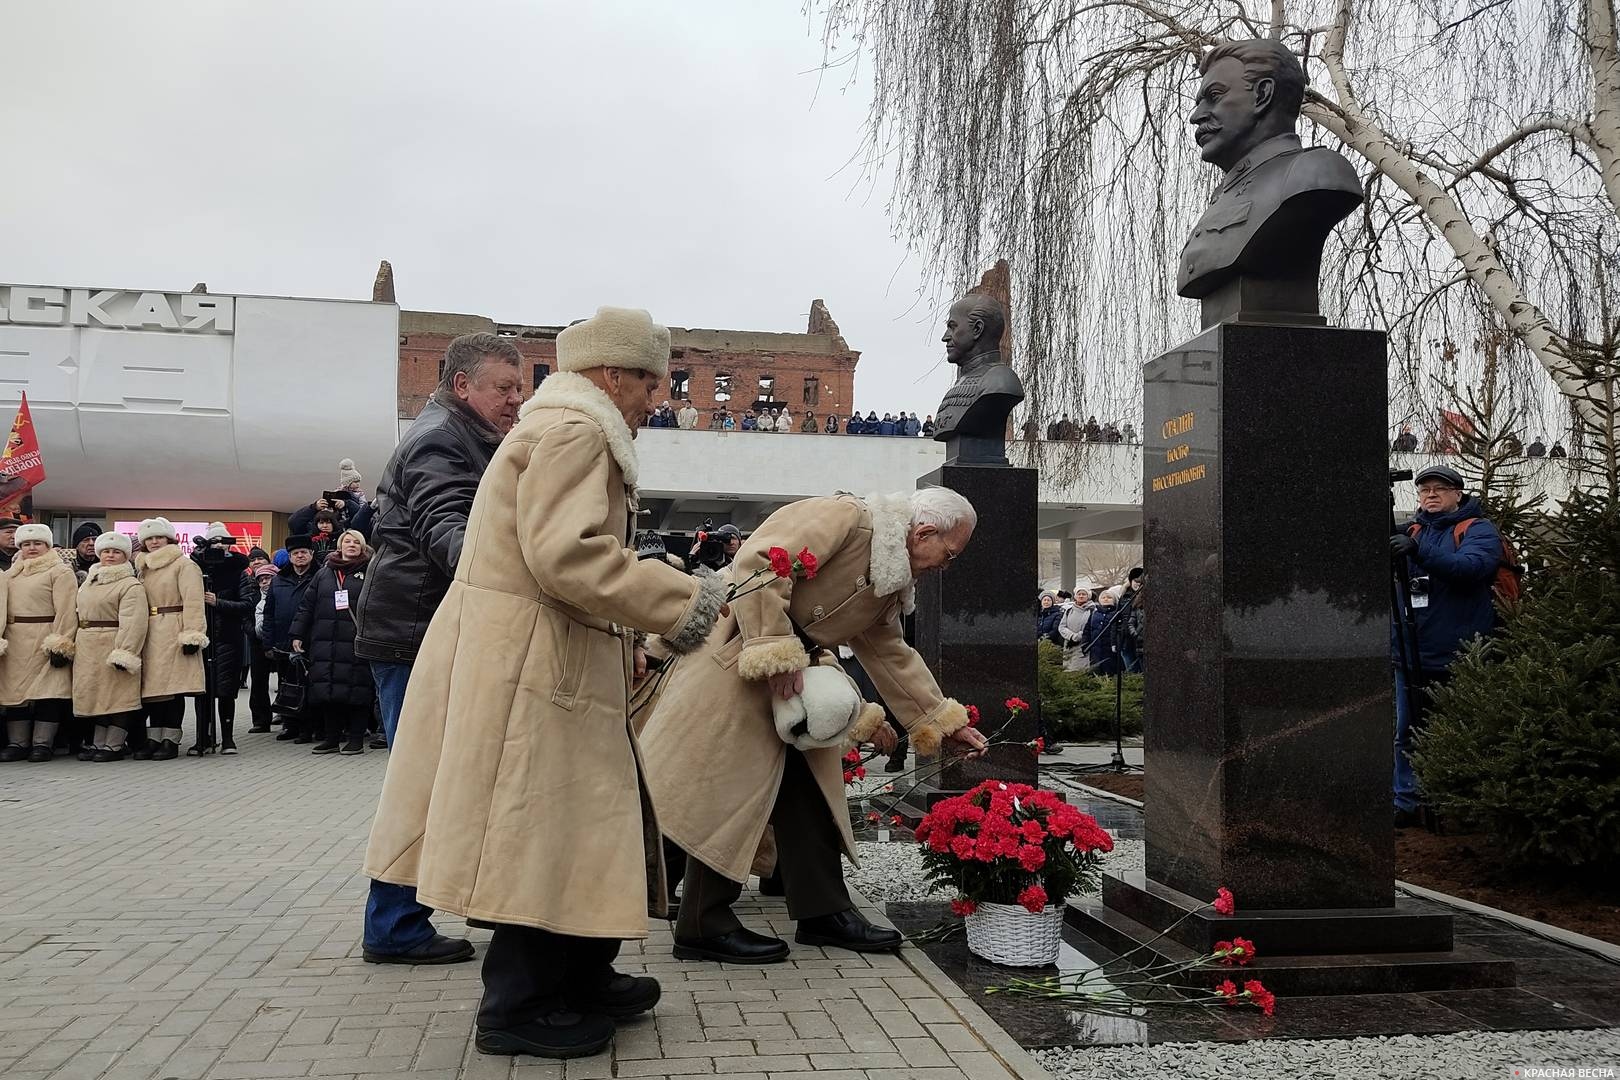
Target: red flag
{"points": [[21, 466]]}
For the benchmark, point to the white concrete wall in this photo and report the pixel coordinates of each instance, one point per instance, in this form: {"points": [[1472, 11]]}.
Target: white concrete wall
{"points": [[252, 419]]}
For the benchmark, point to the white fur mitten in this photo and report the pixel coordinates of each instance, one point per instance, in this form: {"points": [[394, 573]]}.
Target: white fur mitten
{"points": [[823, 714]]}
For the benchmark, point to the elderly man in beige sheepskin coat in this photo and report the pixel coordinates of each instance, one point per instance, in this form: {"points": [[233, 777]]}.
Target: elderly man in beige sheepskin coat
{"points": [[729, 709], [514, 795]]}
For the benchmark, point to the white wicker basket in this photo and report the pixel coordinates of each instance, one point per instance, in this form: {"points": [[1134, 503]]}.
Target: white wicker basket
{"points": [[1010, 934]]}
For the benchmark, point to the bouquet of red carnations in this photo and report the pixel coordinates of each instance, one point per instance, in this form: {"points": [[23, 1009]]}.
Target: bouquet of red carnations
{"points": [[1010, 844]]}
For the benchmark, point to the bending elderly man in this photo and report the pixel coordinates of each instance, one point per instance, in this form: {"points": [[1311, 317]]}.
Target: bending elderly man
{"points": [[514, 793], [719, 763]]}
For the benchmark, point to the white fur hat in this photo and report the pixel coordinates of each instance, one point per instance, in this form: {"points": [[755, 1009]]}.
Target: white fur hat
{"points": [[217, 531], [615, 337], [156, 526], [34, 531], [113, 540]]}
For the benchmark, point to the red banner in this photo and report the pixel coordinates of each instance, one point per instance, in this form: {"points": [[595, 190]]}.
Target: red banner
{"points": [[21, 466]]}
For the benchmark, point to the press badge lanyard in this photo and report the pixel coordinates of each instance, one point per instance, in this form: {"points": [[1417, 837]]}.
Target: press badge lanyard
{"points": [[340, 596]]}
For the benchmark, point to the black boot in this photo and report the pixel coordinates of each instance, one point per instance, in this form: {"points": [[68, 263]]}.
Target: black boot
{"points": [[847, 930], [227, 744], [167, 750]]}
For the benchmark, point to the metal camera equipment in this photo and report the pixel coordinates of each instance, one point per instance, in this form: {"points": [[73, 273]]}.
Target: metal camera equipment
{"points": [[1115, 630], [711, 546], [1401, 587]]}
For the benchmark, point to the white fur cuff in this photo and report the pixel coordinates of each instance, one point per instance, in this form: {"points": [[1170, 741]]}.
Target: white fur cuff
{"points": [[194, 637], [701, 615], [124, 660], [59, 645], [4, 645], [771, 656], [946, 718]]}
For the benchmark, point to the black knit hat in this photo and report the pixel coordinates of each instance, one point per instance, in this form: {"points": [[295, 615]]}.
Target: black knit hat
{"points": [[88, 531]]}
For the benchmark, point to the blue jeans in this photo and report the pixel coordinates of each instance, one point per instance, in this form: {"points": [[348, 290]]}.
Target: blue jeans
{"points": [[1410, 715], [390, 680], [395, 921]]}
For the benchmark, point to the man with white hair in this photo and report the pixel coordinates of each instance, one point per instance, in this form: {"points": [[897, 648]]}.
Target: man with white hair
{"points": [[743, 710]]}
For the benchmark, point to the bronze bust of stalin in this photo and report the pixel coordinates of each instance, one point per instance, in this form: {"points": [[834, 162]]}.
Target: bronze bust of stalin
{"points": [[1256, 253]]}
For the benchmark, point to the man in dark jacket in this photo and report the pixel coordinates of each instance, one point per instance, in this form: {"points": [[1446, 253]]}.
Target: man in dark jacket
{"points": [[423, 500], [1449, 586], [84, 547], [281, 604]]}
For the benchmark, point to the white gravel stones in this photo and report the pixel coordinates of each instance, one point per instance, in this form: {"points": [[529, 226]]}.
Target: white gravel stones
{"points": [[894, 871], [1468, 1055]]}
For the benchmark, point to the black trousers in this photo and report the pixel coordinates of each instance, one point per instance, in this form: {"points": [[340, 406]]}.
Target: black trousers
{"points": [[339, 720], [259, 672], [808, 850], [529, 972]]}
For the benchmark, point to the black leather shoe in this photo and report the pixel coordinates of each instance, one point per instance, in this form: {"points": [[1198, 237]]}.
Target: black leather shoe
{"points": [[288, 734], [144, 753], [624, 996], [436, 950], [555, 1035], [847, 930], [740, 946], [13, 752], [41, 753], [167, 750], [88, 753], [106, 754]]}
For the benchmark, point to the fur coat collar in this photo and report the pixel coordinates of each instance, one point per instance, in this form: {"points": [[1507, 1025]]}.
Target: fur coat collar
{"points": [[571, 390], [891, 566], [157, 560], [106, 575], [39, 564]]}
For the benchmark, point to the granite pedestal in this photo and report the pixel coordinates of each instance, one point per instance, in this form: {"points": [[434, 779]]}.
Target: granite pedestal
{"points": [[1268, 718], [975, 622]]}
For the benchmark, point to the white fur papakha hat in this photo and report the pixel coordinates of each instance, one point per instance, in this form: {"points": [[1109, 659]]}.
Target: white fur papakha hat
{"points": [[113, 540], [156, 526], [33, 531], [615, 337]]}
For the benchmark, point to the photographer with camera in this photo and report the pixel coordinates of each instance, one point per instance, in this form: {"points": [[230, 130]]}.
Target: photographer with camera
{"points": [[345, 502], [1446, 564], [228, 600], [715, 548]]}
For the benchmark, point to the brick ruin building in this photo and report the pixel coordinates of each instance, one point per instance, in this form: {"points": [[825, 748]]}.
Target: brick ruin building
{"points": [[742, 369]]}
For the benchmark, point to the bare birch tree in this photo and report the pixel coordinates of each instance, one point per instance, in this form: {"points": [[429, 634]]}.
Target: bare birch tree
{"points": [[1053, 133]]}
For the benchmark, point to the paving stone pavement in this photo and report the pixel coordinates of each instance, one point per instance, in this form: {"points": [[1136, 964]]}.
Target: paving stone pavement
{"points": [[199, 919]]}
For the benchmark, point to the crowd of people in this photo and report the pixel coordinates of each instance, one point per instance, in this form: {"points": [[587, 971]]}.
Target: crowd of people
{"points": [[1407, 443], [107, 639], [1064, 429], [1102, 630], [781, 420]]}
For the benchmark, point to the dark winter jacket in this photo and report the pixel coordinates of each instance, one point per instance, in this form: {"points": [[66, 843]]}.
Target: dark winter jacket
{"points": [[336, 675], [1098, 640], [233, 605], [1458, 586], [281, 605], [423, 500], [1046, 622]]}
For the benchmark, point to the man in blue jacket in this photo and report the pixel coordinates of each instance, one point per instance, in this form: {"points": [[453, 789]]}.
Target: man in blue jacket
{"points": [[1449, 582]]}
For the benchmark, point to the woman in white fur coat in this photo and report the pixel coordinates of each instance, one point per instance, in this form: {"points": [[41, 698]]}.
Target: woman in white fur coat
{"points": [[36, 686], [107, 660], [171, 661]]}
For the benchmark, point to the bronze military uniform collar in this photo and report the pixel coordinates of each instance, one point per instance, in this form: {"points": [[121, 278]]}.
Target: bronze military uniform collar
{"points": [[1274, 147]]}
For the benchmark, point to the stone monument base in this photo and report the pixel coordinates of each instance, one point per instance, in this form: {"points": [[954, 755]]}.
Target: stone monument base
{"points": [[1404, 948]]}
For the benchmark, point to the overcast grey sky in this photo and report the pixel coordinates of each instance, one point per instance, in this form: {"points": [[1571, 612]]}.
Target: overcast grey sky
{"points": [[522, 160]]}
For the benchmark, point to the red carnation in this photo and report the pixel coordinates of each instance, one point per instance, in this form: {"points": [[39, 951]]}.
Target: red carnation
{"points": [[781, 562], [895, 820], [1031, 857], [1016, 704], [973, 715], [1261, 996], [849, 777], [1228, 991], [808, 563], [1224, 904], [1033, 899], [874, 816], [853, 757], [1239, 951], [1039, 745], [963, 906]]}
